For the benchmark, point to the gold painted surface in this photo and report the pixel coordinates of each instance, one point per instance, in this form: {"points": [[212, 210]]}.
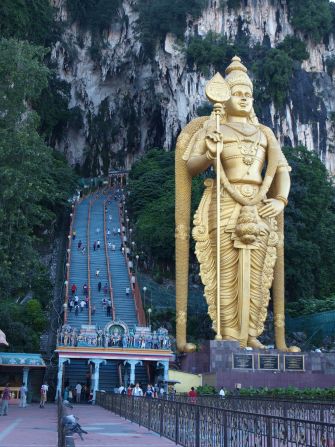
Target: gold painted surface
{"points": [[239, 235]]}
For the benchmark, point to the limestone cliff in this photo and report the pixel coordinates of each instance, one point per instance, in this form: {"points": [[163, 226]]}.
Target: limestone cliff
{"points": [[130, 103]]}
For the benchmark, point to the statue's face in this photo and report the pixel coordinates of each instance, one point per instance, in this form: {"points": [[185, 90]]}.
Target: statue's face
{"points": [[240, 102]]}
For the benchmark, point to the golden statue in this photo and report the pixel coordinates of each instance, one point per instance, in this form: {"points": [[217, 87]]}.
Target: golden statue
{"points": [[240, 262]]}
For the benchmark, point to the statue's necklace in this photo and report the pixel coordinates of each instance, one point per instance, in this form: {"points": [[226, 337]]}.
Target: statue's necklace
{"points": [[249, 151]]}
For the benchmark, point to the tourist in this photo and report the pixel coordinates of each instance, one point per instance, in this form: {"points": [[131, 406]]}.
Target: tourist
{"points": [[83, 250], [98, 230], [109, 244], [97, 273], [113, 247], [99, 286], [192, 394], [95, 245], [127, 291], [109, 308], [71, 305], [76, 309], [122, 389], [104, 303], [98, 244], [73, 289], [137, 391], [133, 281], [74, 233], [76, 299], [79, 244], [93, 309], [161, 392], [44, 392], [23, 396], [149, 391], [114, 231], [85, 289], [108, 233], [105, 289], [86, 301], [5, 400], [78, 392], [222, 392], [82, 305], [119, 231], [130, 390]]}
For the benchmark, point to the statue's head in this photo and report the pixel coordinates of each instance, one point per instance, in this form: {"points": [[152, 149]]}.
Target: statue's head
{"points": [[241, 88]]}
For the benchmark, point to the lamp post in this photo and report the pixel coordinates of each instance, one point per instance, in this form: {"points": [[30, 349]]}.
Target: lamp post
{"points": [[144, 290], [137, 258], [130, 232], [149, 314]]}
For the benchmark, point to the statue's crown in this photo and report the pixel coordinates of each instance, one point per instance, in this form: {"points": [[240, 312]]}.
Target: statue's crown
{"points": [[236, 73]]}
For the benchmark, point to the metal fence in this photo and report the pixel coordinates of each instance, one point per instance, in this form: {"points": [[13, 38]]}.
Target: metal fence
{"points": [[286, 408], [193, 425]]}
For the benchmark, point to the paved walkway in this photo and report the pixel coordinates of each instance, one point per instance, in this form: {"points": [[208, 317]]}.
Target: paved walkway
{"points": [[106, 429], [29, 427], [37, 427]]}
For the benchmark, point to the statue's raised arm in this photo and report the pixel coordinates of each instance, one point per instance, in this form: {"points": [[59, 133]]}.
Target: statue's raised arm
{"points": [[239, 264]]}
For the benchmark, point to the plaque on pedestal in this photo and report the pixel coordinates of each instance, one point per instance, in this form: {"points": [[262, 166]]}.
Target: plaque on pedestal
{"points": [[243, 361], [268, 361], [294, 363]]}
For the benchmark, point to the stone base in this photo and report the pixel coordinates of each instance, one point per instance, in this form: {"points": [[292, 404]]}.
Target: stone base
{"points": [[224, 363]]}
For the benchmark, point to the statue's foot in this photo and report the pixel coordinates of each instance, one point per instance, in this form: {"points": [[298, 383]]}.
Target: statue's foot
{"points": [[254, 343], [293, 349], [190, 347]]}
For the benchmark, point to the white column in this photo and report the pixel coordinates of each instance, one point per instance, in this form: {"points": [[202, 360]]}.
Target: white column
{"points": [[165, 364], [25, 376], [132, 364], [96, 375], [61, 362]]}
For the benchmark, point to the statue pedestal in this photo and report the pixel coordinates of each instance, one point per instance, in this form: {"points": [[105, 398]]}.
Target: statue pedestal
{"points": [[224, 363]]}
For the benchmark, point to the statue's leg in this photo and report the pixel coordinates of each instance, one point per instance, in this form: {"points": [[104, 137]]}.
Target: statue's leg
{"points": [[259, 293]]}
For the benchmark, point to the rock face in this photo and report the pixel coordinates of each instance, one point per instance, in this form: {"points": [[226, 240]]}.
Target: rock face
{"points": [[130, 103]]}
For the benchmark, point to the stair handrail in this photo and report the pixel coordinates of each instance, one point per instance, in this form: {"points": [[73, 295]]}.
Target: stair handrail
{"points": [[111, 294], [135, 290], [89, 260], [68, 262]]}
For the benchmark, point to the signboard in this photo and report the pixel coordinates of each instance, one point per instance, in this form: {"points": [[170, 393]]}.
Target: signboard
{"points": [[268, 361], [243, 361], [294, 362]]}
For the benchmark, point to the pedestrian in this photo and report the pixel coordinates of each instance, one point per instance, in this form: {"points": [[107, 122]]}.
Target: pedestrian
{"points": [[98, 230], [113, 247], [104, 303], [98, 244], [5, 400], [109, 307], [137, 391], [99, 286], [23, 396], [222, 393], [73, 289], [74, 233], [83, 250], [109, 244], [110, 217], [79, 244], [122, 249], [85, 289], [44, 393], [82, 305], [133, 281], [105, 289], [76, 299], [114, 231], [76, 309], [119, 231], [149, 391], [108, 233], [97, 273], [192, 394], [127, 291], [71, 305], [86, 301], [95, 245], [78, 392], [130, 390], [93, 309], [122, 389]]}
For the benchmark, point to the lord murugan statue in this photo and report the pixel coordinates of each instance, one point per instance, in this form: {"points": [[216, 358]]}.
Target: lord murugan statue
{"points": [[239, 231]]}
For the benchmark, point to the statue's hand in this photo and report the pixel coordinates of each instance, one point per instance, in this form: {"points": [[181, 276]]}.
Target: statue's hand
{"points": [[271, 208], [214, 142]]}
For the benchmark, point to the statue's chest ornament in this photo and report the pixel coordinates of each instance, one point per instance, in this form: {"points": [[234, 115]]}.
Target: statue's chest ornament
{"points": [[248, 149]]}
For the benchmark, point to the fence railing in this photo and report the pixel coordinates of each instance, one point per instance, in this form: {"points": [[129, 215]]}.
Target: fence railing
{"points": [[192, 425], [306, 410]]}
